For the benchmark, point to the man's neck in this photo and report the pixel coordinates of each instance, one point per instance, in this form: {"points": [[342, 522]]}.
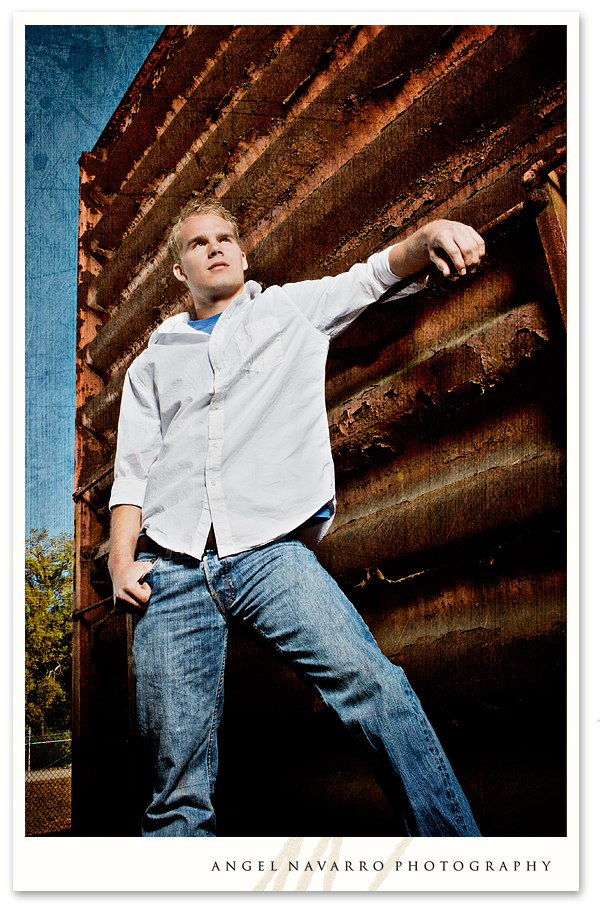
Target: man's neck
{"points": [[205, 308]]}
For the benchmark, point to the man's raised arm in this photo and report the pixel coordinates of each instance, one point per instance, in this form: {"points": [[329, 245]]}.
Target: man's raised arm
{"points": [[446, 244]]}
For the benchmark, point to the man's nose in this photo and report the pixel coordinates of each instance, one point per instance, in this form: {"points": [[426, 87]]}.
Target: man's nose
{"points": [[214, 248]]}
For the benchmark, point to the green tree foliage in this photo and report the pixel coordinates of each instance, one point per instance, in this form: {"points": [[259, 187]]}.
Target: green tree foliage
{"points": [[48, 609]]}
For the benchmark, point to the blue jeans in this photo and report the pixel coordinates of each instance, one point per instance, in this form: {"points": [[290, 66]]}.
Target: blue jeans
{"points": [[282, 592]]}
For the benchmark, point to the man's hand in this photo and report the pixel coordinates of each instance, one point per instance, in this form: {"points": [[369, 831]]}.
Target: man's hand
{"points": [[128, 585], [450, 245]]}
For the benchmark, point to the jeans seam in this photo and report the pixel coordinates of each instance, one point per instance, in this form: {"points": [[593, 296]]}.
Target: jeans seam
{"points": [[442, 769], [215, 596], [213, 725], [227, 573]]}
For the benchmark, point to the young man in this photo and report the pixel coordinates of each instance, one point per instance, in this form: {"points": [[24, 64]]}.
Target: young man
{"points": [[223, 483]]}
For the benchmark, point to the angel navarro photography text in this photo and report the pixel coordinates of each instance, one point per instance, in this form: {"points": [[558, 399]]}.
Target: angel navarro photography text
{"points": [[476, 865]]}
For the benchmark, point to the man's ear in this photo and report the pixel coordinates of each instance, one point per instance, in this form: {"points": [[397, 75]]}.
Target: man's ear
{"points": [[179, 273], [245, 261]]}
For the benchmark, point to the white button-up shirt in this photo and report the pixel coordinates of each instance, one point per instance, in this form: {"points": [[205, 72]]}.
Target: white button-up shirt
{"points": [[230, 428]]}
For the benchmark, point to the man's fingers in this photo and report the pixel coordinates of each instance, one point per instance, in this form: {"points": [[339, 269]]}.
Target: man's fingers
{"points": [[140, 593], [134, 602], [457, 247], [448, 257], [475, 249]]}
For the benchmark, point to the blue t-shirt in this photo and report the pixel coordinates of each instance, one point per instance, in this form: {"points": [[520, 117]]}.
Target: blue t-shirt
{"points": [[204, 325]]}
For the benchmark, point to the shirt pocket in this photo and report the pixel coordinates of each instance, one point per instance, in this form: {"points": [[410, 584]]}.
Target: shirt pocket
{"points": [[259, 343]]}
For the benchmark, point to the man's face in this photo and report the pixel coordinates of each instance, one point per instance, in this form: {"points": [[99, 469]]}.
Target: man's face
{"points": [[212, 262]]}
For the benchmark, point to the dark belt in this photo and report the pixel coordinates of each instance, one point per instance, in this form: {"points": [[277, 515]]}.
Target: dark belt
{"points": [[147, 545]]}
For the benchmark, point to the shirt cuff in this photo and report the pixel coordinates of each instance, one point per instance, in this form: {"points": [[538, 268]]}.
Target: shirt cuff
{"points": [[127, 492], [381, 266]]}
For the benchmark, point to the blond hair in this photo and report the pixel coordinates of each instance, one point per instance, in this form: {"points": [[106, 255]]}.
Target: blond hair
{"points": [[197, 206]]}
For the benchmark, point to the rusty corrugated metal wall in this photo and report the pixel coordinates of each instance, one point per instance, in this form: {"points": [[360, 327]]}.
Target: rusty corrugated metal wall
{"points": [[447, 410]]}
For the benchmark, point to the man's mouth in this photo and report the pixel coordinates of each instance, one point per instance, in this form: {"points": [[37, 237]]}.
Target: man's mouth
{"points": [[218, 265]]}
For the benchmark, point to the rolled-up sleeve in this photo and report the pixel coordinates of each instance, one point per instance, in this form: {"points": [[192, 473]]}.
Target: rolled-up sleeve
{"points": [[139, 439]]}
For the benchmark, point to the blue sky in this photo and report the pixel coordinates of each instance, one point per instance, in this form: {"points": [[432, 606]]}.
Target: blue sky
{"points": [[75, 77]]}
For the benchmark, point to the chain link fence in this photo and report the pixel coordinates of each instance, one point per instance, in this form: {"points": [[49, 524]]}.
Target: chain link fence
{"points": [[47, 783]]}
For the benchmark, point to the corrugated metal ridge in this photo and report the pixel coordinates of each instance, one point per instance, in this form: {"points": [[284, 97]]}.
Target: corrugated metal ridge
{"points": [[340, 106], [493, 316], [483, 506], [396, 337], [399, 158], [376, 87], [142, 112], [121, 117], [222, 87], [476, 365]]}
